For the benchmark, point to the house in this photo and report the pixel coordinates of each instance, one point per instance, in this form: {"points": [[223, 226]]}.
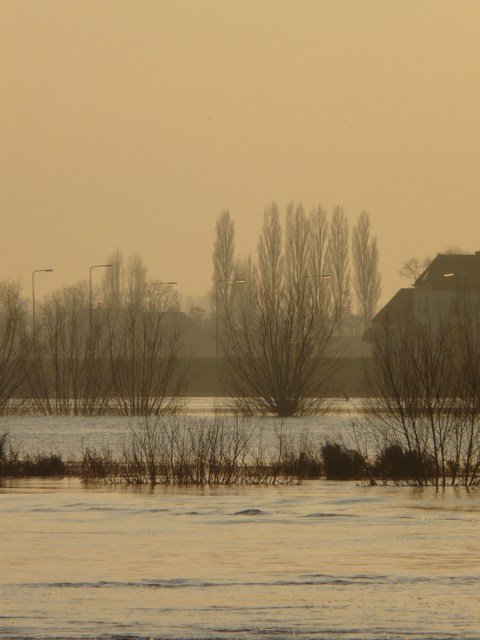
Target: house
{"points": [[434, 295], [437, 289]]}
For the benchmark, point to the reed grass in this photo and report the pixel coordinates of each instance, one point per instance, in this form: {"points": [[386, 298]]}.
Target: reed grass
{"points": [[223, 450], [12, 464]]}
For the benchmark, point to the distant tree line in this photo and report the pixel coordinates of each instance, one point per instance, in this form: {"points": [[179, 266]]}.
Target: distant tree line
{"points": [[116, 348], [120, 352]]}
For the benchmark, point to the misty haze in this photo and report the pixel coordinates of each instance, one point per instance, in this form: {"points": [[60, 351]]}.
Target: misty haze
{"points": [[239, 319]]}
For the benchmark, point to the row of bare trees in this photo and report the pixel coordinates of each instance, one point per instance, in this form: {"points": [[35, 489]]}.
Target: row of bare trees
{"points": [[425, 393], [124, 354], [349, 260], [277, 314]]}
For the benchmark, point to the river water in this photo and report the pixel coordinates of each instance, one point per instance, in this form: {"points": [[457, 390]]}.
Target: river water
{"points": [[70, 435], [319, 560]]}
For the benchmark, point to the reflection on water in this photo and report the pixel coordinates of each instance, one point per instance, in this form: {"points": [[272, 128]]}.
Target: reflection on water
{"points": [[321, 560]]}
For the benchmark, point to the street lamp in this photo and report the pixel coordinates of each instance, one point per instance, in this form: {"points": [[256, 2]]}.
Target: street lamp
{"points": [[95, 266], [33, 295], [217, 282]]}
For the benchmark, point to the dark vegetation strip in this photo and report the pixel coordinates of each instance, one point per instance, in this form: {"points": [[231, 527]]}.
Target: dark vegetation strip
{"points": [[224, 452]]}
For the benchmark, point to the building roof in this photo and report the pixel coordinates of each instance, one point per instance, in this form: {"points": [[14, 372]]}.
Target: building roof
{"points": [[398, 310], [451, 272]]}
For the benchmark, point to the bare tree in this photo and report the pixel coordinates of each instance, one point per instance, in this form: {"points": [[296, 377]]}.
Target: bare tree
{"points": [[297, 253], [414, 267], [411, 269], [128, 359], [113, 283], [318, 260], [366, 277], [136, 282], [14, 344], [338, 264], [275, 342], [467, 351], [271, 260], [223, 269], [66, 371], [147, 365], [411, 397], [425, 393], [162, 296], [244, 287]]}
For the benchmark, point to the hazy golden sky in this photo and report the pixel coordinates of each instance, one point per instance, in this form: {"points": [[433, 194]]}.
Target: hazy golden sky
{"points": [[133, 123]]}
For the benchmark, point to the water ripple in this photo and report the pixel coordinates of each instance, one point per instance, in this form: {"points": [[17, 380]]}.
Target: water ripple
{"points": [[316, 579]]}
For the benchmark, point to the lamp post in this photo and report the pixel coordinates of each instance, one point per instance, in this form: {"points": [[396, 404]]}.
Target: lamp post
{"points": [[217, 282], [95, 266], [33, 295]]}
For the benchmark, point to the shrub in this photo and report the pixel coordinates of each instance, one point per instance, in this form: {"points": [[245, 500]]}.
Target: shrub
{"points": [[307, 465], [43, 465], [340, 463], [396, 463], [300, 465], [40, 465]]}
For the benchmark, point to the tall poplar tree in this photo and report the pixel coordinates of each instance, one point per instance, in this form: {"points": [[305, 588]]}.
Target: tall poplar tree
{"points": [[366, 276]]}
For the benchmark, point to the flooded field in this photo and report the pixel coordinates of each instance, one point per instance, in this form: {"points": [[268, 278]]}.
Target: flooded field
{"points": [[322, 560], [69, 435]]}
